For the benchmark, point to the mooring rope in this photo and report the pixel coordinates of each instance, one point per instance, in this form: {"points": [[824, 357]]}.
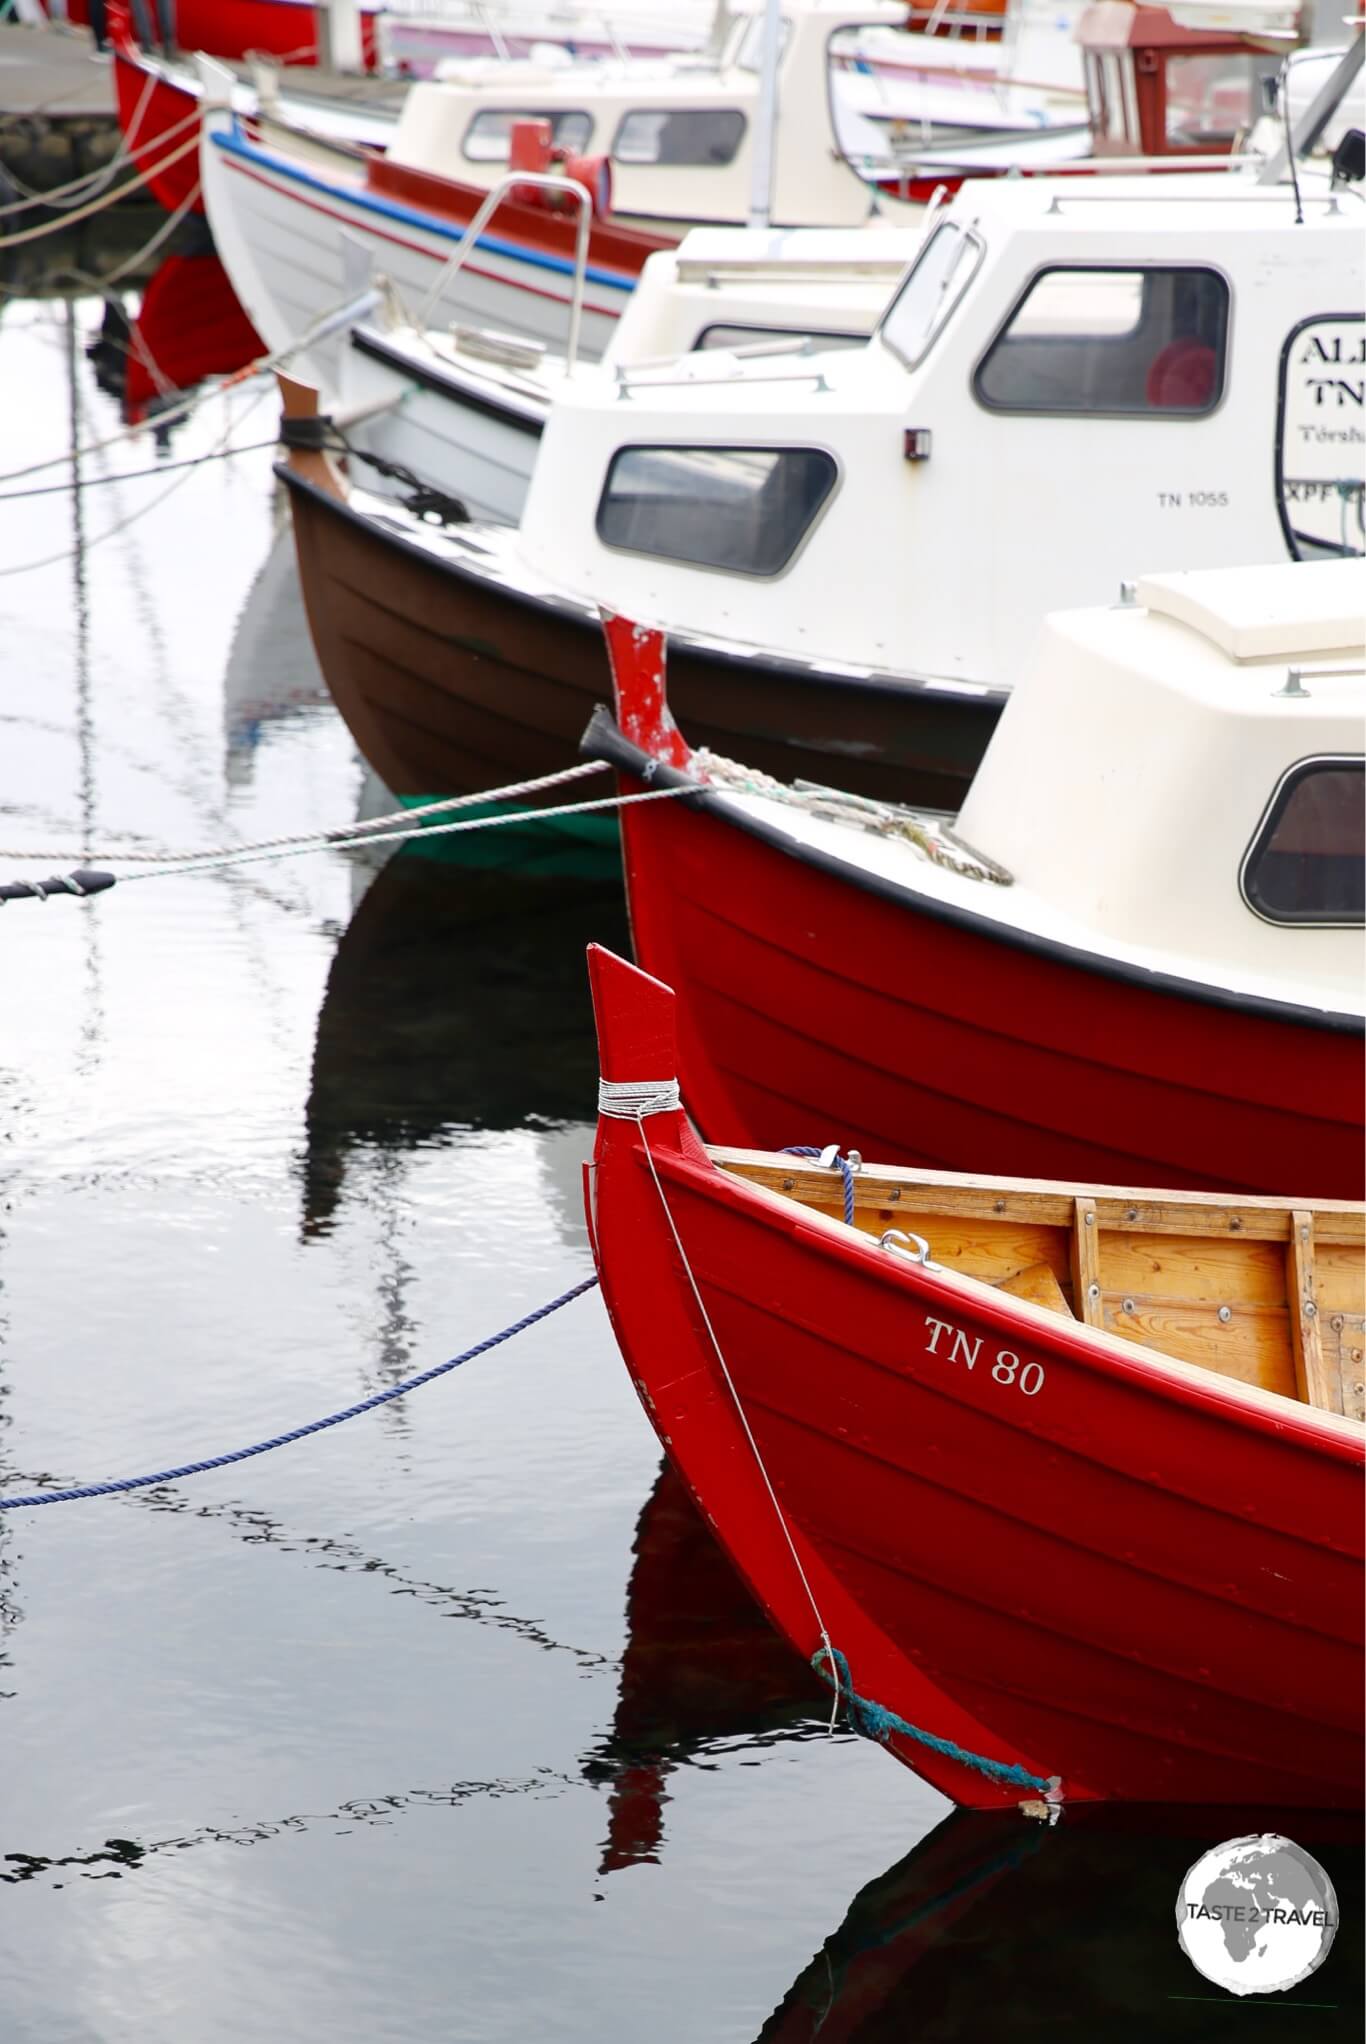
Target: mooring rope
{"points": [[143, 510], [659, 1089], [874, 1721], [129, 475], [57, 197], [82, 1491], [829, 1157], [91, 880], [308, 840], [344, 312], [64, 219], [870, 1720]]}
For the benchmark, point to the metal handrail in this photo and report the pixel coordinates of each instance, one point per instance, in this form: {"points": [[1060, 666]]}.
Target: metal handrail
{"points": [[469, 240]]}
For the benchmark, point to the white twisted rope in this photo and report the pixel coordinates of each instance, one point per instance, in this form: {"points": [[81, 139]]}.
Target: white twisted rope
{"points": [[632, 1099]]}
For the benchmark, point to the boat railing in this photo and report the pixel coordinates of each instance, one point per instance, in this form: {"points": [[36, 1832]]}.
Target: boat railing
{"points": [[511, 181]]}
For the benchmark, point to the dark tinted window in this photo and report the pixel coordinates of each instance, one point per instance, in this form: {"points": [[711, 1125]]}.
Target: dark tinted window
{"points": [[691, 135], [742, 508], [1141, 342], [1307, 861]]}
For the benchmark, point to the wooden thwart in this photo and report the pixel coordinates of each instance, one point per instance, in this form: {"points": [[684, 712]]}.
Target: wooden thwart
{"points": [[1271, 1292]]}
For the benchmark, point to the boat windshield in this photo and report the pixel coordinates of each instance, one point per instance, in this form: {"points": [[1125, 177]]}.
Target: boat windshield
{"points": [[933, 286]]}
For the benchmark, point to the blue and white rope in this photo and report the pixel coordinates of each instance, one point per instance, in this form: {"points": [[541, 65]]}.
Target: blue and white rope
{"points": [[315, 1426]]}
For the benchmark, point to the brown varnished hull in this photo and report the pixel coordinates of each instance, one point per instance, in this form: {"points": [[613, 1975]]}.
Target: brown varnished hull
{"points": [[452, 681]]}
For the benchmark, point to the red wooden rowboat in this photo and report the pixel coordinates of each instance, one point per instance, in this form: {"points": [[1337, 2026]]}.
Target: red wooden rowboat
{"points": [[1072, 1566], [834, 989]]}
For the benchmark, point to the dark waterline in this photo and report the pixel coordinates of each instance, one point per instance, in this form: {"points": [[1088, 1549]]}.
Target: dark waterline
{"points": [[450, 1724]]}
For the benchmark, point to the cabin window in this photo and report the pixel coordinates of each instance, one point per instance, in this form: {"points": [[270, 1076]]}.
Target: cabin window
{"points": [[744, 509], [1128, 343], [932, 288], [1211, 100], [707, 136], [757, 336], [488, 137], [1307, 861]]}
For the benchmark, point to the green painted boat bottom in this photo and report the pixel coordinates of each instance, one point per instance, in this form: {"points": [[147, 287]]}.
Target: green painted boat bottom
{"points": [[582, 846]]}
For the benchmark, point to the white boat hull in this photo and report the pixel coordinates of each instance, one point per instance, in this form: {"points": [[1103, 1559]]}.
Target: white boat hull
{"points": [[298, 237]]}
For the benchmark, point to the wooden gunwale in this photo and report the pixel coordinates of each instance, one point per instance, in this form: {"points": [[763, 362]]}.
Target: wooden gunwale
{"points": [[1231, 1288]]}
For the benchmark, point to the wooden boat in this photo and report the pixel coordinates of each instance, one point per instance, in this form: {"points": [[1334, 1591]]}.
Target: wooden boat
{"points": [[452, 679], [467, 408], [1062, 1483], [737, 501], [660, 148], [1134, 954]]}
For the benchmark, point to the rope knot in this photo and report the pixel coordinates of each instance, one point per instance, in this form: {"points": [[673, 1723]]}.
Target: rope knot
{"points": [[874, 1721], [830, 1158], [633, 1099]]}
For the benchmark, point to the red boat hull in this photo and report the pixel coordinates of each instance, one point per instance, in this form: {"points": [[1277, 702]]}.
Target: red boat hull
{"points": [[1139, 1577], [813, 1009], [156, 119]]}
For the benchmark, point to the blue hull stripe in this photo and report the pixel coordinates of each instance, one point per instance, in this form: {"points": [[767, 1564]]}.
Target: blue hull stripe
{"points": [[233, 145]]}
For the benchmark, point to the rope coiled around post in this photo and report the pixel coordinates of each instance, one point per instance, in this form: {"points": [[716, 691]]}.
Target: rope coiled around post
{"points": [[828, 1157], [316, 1426]]}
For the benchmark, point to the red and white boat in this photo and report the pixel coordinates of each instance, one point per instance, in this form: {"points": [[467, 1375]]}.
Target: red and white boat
{"points": [[1134, 954], [1055, 1478]]}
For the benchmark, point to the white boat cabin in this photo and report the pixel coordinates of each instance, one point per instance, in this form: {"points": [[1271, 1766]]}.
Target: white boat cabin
{"points": [[1071, 378], [464, 407], [680, 133], [1234, 699]]}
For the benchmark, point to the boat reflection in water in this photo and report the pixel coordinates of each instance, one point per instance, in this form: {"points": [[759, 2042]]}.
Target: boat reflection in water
{"points": [[702, 1665], [272, 672], [188, 327], [457, 1001], [997, 1928]]}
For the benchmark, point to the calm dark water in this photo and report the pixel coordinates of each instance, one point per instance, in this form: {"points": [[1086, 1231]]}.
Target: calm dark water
{"points": [[449, 1724]]}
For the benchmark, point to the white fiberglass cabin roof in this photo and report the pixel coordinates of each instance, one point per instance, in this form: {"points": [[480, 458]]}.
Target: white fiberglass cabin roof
{"points": [[1136, 766], [1260, 614]]}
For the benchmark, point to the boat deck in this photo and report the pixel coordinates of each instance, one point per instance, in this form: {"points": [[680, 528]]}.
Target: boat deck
{"points": [[1271, 1292]]}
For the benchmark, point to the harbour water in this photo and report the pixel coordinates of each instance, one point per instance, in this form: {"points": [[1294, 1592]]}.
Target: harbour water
{"points": [[447, 1724]]}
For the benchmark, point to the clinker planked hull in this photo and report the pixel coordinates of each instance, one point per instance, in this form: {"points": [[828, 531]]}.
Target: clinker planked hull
{"points": [[454, 679], [1058, 1550], [814, 1010]]}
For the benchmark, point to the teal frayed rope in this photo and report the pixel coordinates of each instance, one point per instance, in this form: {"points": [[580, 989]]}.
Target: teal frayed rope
{"points": [[873, 1721]]}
